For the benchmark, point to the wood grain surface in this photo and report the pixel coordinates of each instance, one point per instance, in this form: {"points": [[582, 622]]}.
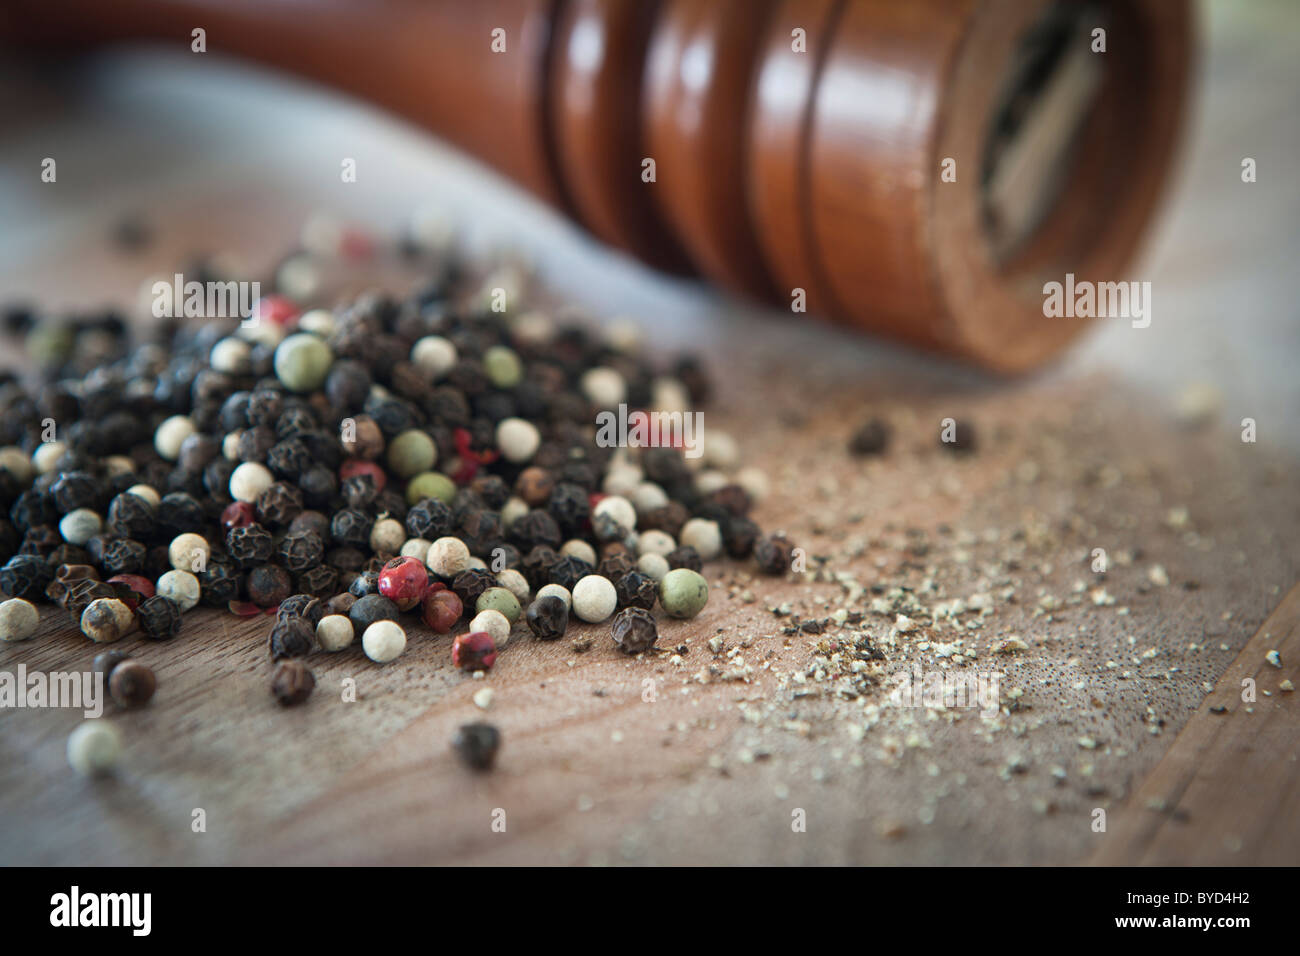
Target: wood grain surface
{"points": [[1226, 790]]}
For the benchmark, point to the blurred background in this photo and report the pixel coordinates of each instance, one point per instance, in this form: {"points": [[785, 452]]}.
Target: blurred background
{"points": [[214, 155]]}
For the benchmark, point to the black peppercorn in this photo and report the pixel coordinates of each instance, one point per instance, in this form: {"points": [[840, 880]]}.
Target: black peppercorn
{"points": [[373, 607], [738, 537], [301, 551], [306, 606], [871, 438], [268, 585], [536, 566], [26, 576], [477, 745], [634, 630], [130, 516], [536, 529], [265, 406], [481, 532], [289, 458], [340, 603], [255, 444], [359, 491], [320, 580], [616, 564], [279, 504], [131, 684], [179, 512], [684, 557], [292, 683], [547, 617], [470, 584], [250, 545], [774, 553], [493, 490], [219, 583], [77, 489], [959, 439], [667, 518], [366, 582], [318, 485], [570, 506], [430, 519], [569, 570], [635, 589], [121, 556], [291, 636], [159, 617], [351, 526], [105, 662], [40, 540]]}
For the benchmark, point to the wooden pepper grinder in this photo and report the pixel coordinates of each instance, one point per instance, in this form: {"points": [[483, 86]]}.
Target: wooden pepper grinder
{"points": [[917, 168]]}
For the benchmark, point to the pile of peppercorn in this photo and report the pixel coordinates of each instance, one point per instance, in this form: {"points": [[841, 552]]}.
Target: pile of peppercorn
{"points": [[339, 469]]}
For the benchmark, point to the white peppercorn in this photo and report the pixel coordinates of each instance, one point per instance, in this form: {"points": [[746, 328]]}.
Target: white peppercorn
{"points": [[655, 542], [80, 525], [617, 509], [647, 496], [622, 479], [18, 620], [106, 620], [448, 557], [434, 355], [493, 623], [383, 641], [94, 747], [232, 356], [15, 461], [578, 548], [416, 548], [603, 387], [514, 509], [147, 492], [387, 536], [189, 552], [518, 439], [653, 565], [515, 583], [556, 590], [594, 598], [335, 632], [710, 480], [704, 536], [249, 480], [754, 481], [180, 587], [171, 434], [47, 455]]}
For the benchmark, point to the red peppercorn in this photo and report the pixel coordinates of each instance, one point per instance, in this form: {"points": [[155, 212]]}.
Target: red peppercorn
{"points": [[354, 466], [474, 652], [277, 309], [238, 514], [140, 588], [442, 609], [404, 581]]}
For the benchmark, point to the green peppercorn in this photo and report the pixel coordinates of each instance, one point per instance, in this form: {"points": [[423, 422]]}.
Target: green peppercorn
{"points": [[411, 453], [302, 361], [683, 592], [430, 484], [502, 366], [499, 599]]}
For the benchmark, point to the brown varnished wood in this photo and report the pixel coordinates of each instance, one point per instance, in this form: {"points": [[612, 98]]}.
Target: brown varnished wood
{"points": [[697, 87], [600, 48], [774, 170], [778, 172]]}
